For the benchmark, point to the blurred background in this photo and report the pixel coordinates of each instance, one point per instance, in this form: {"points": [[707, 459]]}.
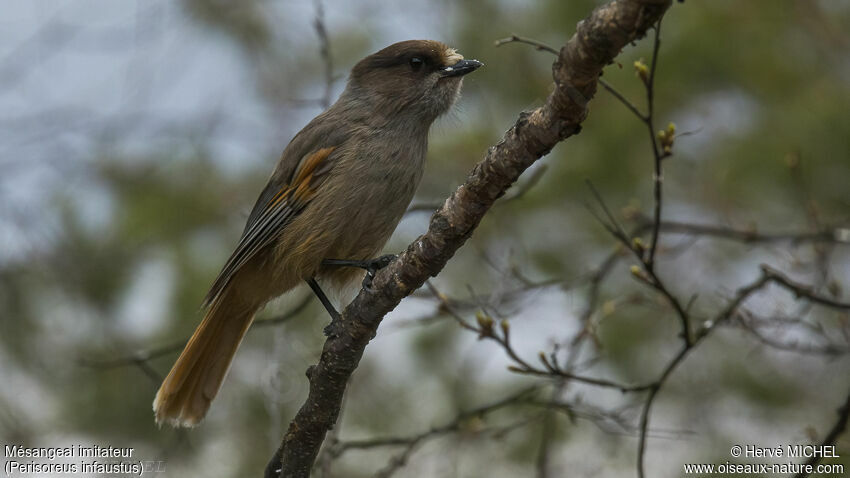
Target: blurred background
{"points": [[135, 137]]}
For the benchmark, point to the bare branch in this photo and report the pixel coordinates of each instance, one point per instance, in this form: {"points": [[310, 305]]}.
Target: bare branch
{"points": [[410, 443], [836, 431], [768, 276], [803, 291], [552, 369], [750, 236], [648, 275], [658, 175], [827, 349], [742, 294], [142, 358], [325, 51], [628, 104], [538, 45]]}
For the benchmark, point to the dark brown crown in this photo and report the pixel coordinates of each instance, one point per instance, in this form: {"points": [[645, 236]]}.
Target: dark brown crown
{"points": [[435, 54]]}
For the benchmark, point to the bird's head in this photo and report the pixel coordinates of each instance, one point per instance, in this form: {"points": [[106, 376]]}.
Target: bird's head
{"points": [[417, 77]]}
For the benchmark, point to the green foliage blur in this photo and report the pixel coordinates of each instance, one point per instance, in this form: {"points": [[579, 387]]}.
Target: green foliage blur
{"points": [[114, 258]]}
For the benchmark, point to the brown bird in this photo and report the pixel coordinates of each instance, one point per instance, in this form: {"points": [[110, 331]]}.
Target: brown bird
{"points": [[336, 195]]}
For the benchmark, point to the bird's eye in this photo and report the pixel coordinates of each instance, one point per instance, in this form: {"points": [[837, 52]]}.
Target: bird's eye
{"points": [[416, 63]]}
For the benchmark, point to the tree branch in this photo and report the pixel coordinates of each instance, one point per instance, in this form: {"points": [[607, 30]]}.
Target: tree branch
{"points": [[599, 38], [325, 51], [142, 358], [658, 175], [410, 443], [837, 429]]}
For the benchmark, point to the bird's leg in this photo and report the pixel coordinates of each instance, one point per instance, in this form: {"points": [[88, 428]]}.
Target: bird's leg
{"points": [[335, 317], [371, 265]]}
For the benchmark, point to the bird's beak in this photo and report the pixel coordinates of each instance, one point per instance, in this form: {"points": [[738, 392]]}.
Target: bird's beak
{"points": [[461, 68]]}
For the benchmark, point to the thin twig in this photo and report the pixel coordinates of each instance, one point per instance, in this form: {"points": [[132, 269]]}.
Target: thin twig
{"points": [[651, 277], [410, 443], [804, 291], [831, 350], [485, 329], [615, 228], [142, 358], [748, 236], [538, 45], [325, 51], [628, 104], [831, 437], [742, 294], [658, 175]]}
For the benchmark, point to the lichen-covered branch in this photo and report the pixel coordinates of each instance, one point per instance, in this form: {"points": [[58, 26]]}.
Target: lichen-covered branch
{"points": [[598, 39]]}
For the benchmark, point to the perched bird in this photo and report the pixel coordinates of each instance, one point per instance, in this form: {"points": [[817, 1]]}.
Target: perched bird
{"points": [[336, 195]]}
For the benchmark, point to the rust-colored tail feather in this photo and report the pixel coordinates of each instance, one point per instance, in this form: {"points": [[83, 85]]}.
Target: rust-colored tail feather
{"points": [[186, 393]]}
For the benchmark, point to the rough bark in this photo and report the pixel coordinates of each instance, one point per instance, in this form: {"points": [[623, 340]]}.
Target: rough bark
{"points": [[598, 39]]}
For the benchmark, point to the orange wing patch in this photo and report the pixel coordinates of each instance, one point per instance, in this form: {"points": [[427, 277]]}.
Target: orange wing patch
{"points": [[308, 165], [302, 188], [303, 185], [283, 206]]}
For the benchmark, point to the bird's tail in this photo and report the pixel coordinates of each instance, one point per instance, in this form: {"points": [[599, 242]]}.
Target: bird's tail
{"points": [[186, 393]]}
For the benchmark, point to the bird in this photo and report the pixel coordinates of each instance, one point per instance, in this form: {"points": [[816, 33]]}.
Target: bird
{"points": [[336, 195]]}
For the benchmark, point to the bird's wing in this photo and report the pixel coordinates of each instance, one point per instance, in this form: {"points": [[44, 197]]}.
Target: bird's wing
{"points": [[276, 206]]}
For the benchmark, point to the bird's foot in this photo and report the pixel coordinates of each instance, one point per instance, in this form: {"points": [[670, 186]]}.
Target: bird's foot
{"points": [[333, 329], [372, 266]]}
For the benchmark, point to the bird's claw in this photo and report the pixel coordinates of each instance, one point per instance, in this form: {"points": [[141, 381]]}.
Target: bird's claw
{"points": [[332, 329], [372, 266]]}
